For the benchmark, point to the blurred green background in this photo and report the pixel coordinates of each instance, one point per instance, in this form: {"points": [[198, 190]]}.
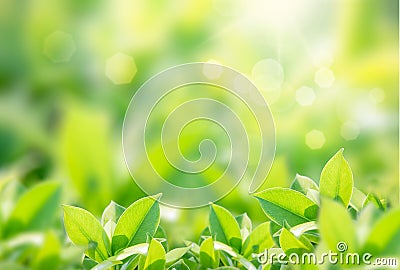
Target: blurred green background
{"points": [[68, 69]]}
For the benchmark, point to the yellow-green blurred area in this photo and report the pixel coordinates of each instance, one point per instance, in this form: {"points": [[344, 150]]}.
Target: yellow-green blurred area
{"points": [[68, 69]]}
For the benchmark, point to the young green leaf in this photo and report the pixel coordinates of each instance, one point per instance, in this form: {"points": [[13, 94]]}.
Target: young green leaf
{"points": [[132, 263], [35, 209], [194, 248], [208, 256], [112, 212], [283, 204], [244, 222], [140, 218], [88, 264], [244, 225], [175, 254], [302, 228], [179, 265], [258, 240], [303, 184], [161, 234], [108, 264], [225, 227], [219, 246], [372, 198], [336, 180], [357, 199], [141, 249], [85, 230], [313, 195], [155, 259], [291, 244], [336, 226], [109, 227], [384, 238]]}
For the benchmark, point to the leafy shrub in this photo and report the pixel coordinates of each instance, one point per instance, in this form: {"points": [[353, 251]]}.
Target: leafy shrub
{"points": [[306, 217], [28, 239]]}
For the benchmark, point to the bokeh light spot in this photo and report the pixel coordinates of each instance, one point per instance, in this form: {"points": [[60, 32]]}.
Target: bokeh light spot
{"points": [[59, 47], [324, 77], [315, 139], [350, 130], [121, 68], [305, 96], [268, 74]]}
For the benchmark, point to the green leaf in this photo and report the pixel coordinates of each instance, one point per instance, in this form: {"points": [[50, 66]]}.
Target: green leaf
{"points": [[258, 240], [155, 258], [336, 226], [8, 198], [139, 219], [48, 256], [372, 198], [175, 254], [225, 227], [313, 195], [244, 225], [208, 256], [204, 234], [179, 265], [141, 249], [384, 238], [291, 244], [106, 265], [357, 199], [112, 212], [88, 263], [283, 204], [86, 154], [161, 234], [35, 209], [303, 184], [85, 230], [336, 180], [235, 256], [132, 263], [303, 228], [109, 227], [366, 220], [194, 248]]}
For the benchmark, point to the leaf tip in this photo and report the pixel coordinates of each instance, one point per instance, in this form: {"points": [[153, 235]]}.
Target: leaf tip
{"points": [[157, 196]]}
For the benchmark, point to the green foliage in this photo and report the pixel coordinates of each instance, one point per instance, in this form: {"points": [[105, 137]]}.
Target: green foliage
{"points": [[125, 242], [336, 225], [85, 230], [224, 226], [258, 240], [287, 205], [140, 218], [337, 179], [28, 239], [155, 258], [208, 256], [302, 219], [34, 209]]}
